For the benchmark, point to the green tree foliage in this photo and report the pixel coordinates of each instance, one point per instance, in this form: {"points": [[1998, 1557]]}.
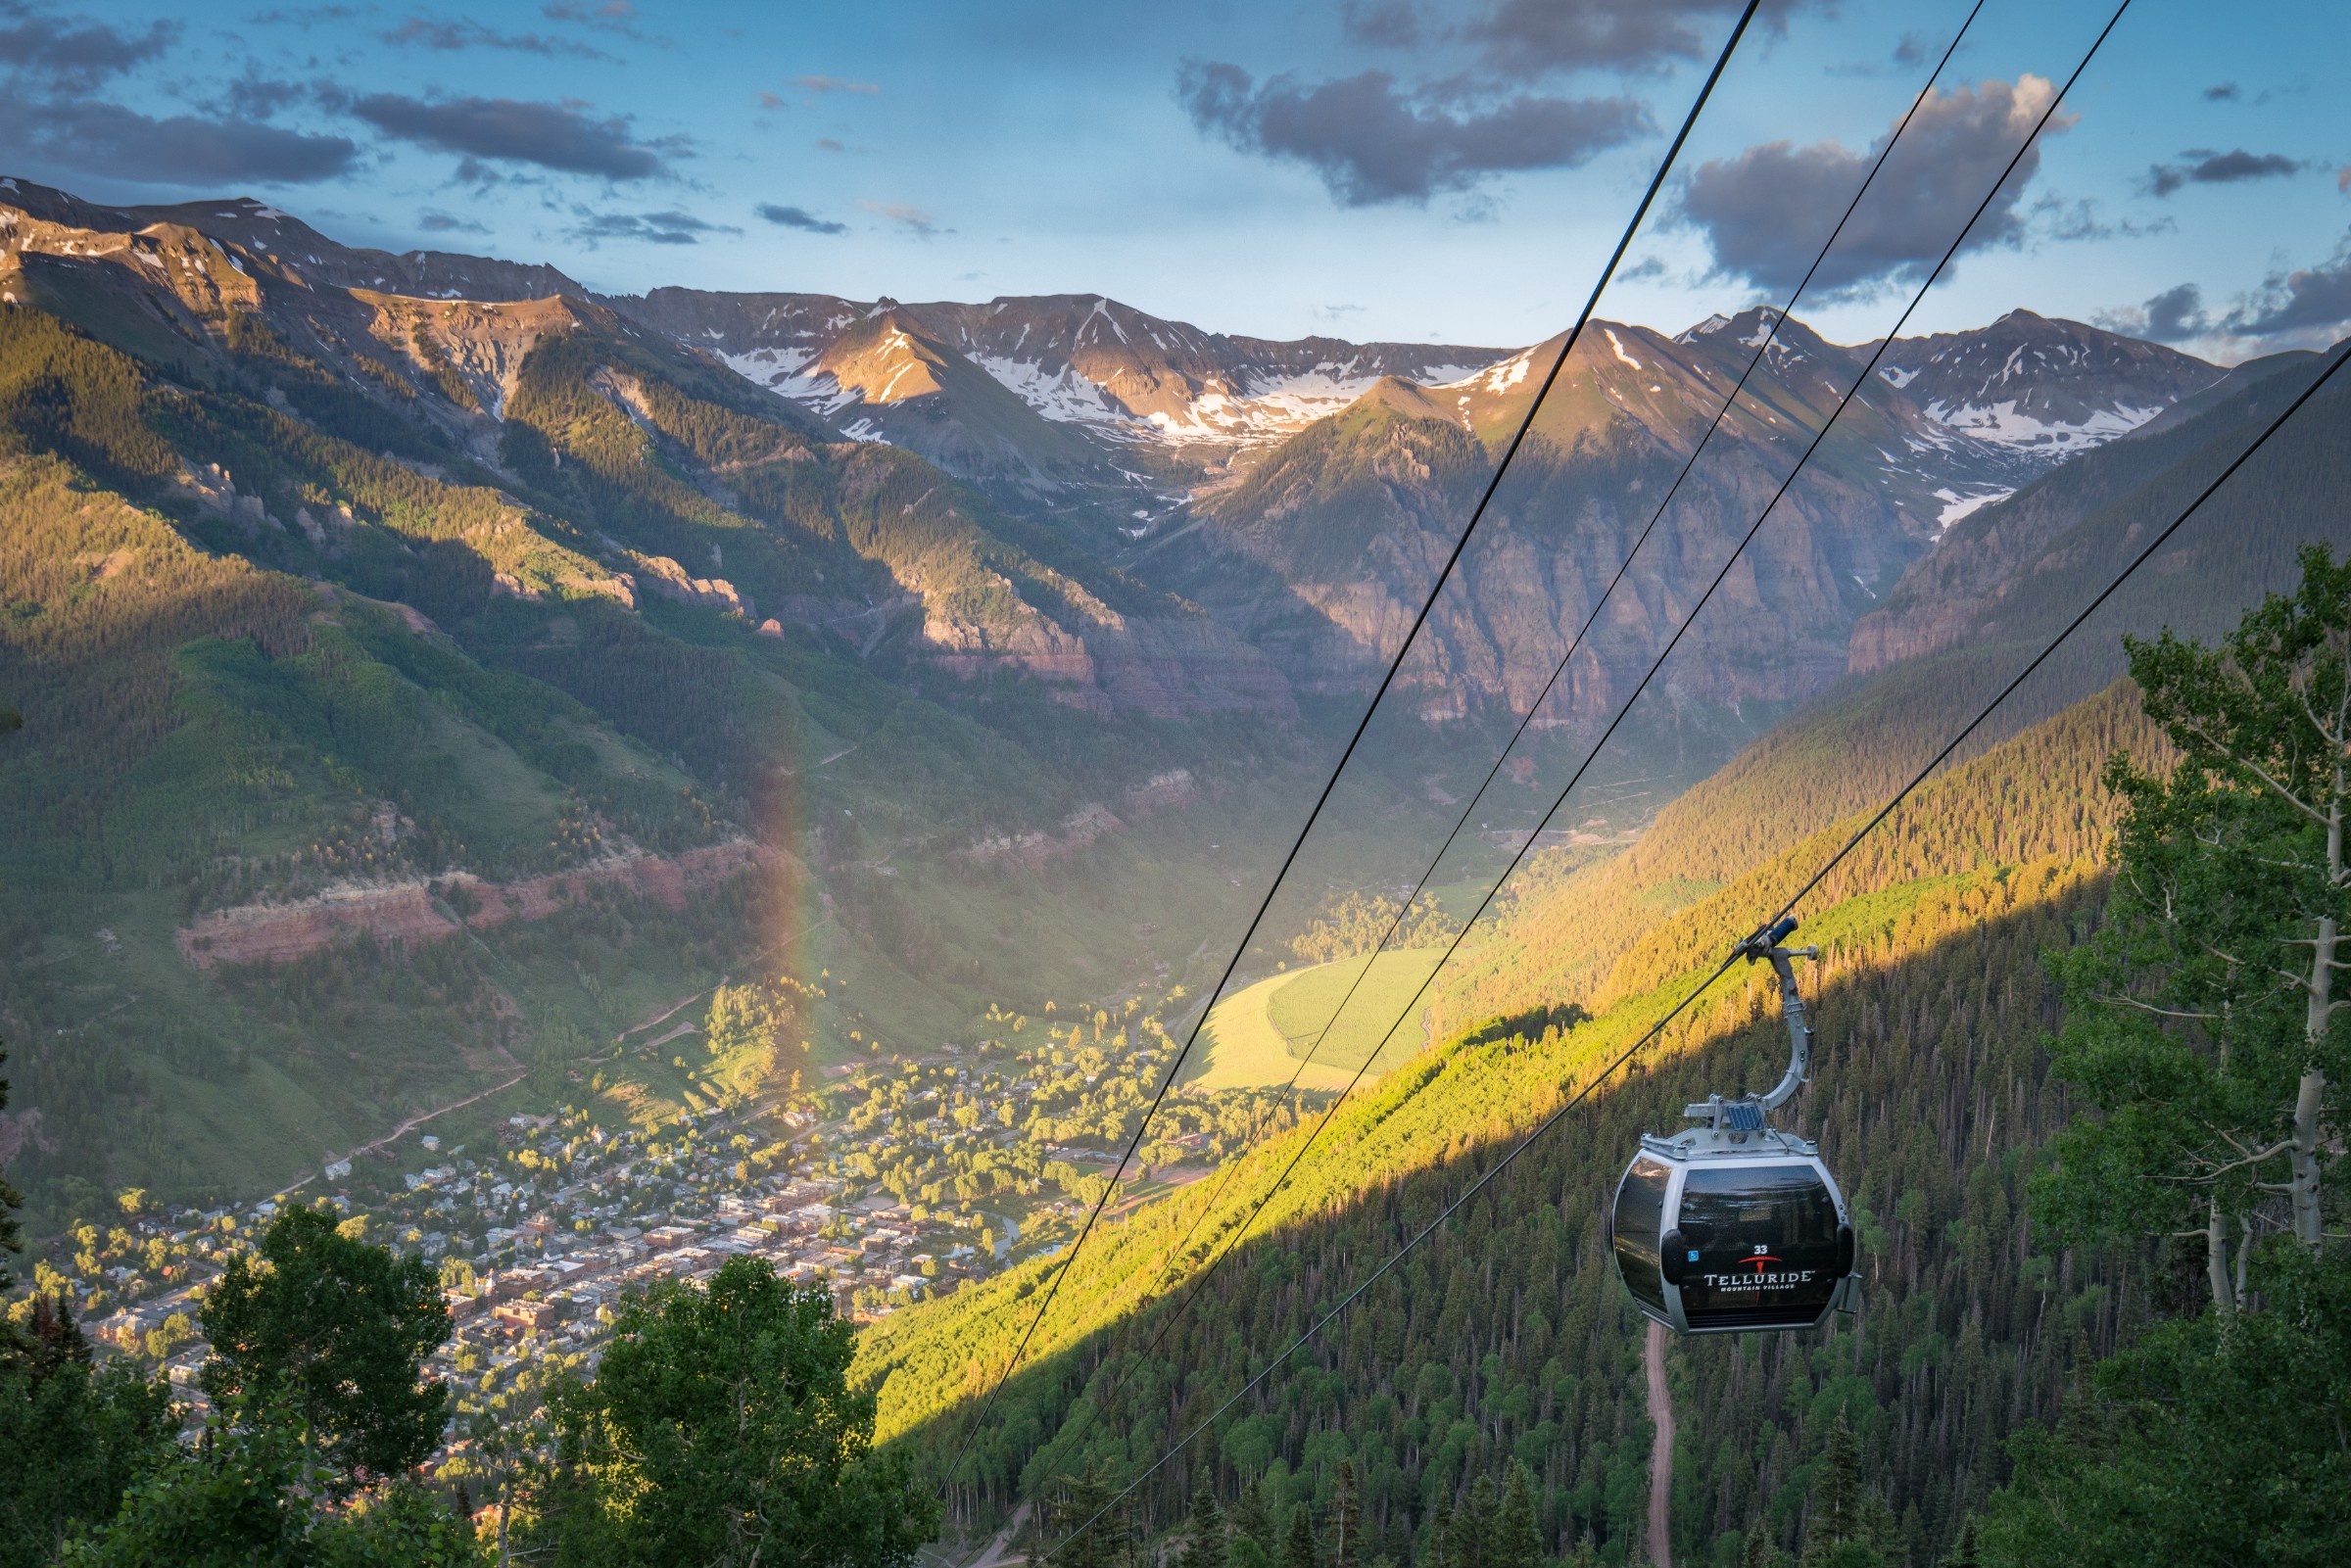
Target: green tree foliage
{"points": [[2202, 1022], [1516, 1541], [1204, 1530], [232, 1501], [1847, 1525], [2216, 1439], [1086, 1524], [2203, 1032], [1343, 1520], [336, 1332], [1251, 1541], [721, 1429], [1298, 1549], [1353, 923], [246, 1494], [72, 1437], [12, 1235]]}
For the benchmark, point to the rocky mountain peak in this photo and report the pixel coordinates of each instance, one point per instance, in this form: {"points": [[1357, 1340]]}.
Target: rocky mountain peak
{"points": [[2041, 386]]}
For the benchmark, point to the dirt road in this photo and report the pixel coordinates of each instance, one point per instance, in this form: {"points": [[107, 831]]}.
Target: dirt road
{"points": [[1660, 1451]]}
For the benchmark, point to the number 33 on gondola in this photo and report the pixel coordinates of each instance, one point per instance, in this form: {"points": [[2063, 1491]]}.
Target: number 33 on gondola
{"points": [[1732, 1225]]}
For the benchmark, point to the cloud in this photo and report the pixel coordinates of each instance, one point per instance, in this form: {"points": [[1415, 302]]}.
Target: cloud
{"points": [[433, 32], [103, 138], [1766, 212], [77, 54], [253, 97], [799, 217], [2219, 169], [1528, 38], [613, 16], [1381, 24], [654, 228], [433, 222], [557, 136], [52, 66], [2311, 305], [834, 85], [2222, 93], [826, 144], [301, 17], [1372, 143], [2176, 315], [2305, 307], [907, 216], [2055, 218]]}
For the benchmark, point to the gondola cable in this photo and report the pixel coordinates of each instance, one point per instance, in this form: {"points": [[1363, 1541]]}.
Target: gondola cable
{"points": [[1852, 393], [2343, 355], [1767, 934], [1518, 439], [1762, 347]]}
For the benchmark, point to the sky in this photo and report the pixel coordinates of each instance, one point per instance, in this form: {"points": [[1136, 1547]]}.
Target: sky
{"points": [[1373, 169]]}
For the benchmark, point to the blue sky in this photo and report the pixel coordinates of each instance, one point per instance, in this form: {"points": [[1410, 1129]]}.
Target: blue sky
{"points": [[1366, 168]]}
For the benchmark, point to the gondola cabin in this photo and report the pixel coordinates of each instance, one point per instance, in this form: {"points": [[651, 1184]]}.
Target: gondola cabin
{"points": [[1725, 1240], [1732, 1225]]}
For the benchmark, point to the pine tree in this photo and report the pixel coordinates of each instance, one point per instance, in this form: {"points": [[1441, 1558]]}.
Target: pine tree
{"points": [[1299, 1550], [1343, 1524], [1091, 1532], [53, 1339], [1251, 1530], [1963, 1551], [1470, 1542], [1839, 1533], [1396, 1539], [1204, 1532], [1439, 1552], [1517, 1542]]}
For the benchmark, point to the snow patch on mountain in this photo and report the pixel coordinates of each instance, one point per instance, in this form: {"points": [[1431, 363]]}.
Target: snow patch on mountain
{"points": [[1496, 378], [1062, 396], [1956, 506], [2004, 424], [1267, 406], [784, 371]]}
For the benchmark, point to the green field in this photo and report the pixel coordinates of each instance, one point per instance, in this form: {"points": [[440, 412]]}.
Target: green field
{"points": [[1260, 1034], [1300, 1010]]}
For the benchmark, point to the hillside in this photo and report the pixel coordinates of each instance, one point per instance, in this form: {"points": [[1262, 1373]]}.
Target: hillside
{"points": [[1961, 622], [1506, 1335], [420, 690]]}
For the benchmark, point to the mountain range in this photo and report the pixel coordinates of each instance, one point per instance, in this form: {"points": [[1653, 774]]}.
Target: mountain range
{"points": [[337, 579]]}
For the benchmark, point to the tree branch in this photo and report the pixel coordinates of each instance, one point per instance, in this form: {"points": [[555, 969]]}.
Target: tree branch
{"points": [[2257, 771], [2165, 1012]]}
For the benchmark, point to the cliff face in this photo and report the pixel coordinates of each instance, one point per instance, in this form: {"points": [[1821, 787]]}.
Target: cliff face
{"points": [[1989, 560], [1322, 552]]}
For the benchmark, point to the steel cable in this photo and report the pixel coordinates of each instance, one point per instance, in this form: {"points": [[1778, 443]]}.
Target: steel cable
{"points": [[1444, 574]]}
